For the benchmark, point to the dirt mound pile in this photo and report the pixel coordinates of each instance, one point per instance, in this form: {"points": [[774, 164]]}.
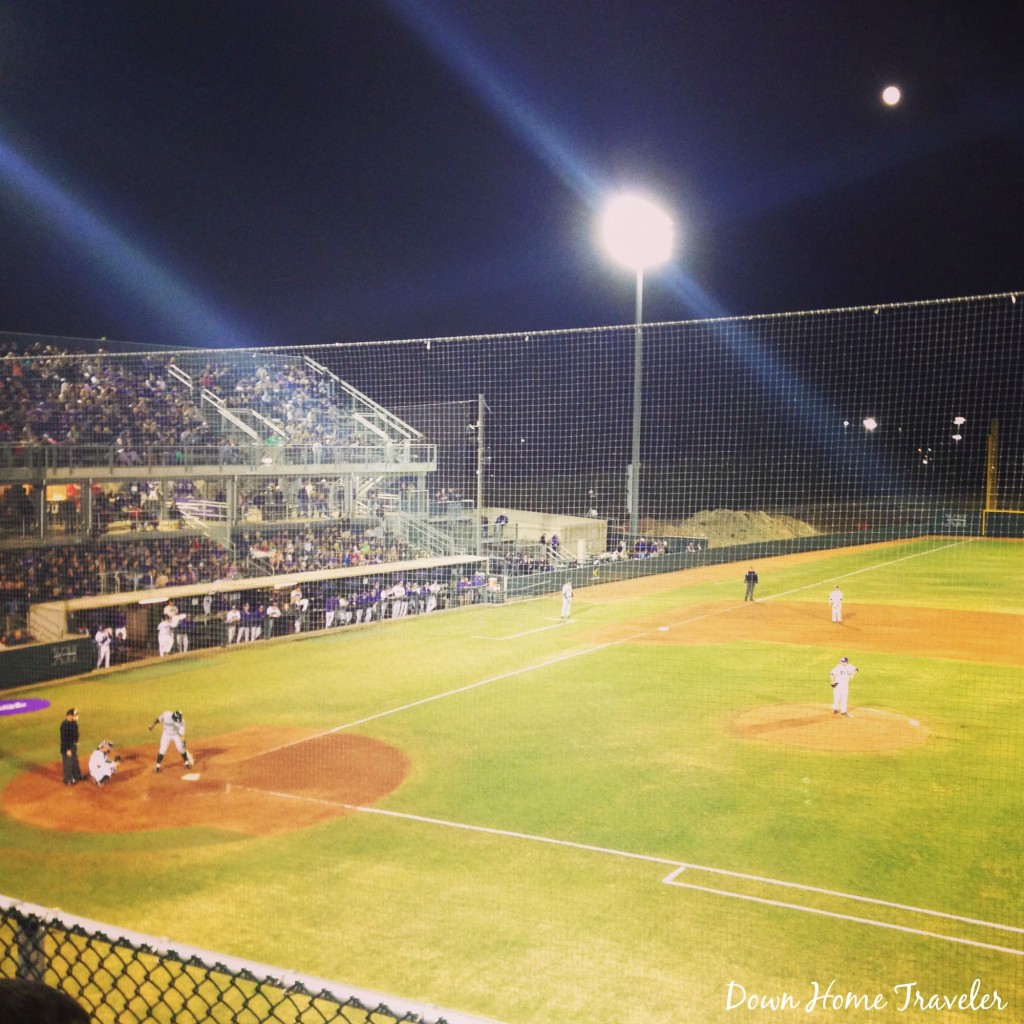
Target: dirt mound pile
{"points": [[724, 527]]}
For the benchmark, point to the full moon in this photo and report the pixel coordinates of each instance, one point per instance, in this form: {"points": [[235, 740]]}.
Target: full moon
{"points": [[891, 95]]}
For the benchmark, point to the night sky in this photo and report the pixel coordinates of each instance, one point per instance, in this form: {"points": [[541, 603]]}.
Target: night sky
{"points": [[208, 172]]}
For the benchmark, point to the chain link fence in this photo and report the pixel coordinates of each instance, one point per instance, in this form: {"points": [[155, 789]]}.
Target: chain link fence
{"points": [[128, 978]]}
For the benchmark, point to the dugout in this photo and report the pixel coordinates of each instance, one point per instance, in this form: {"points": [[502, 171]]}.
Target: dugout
{"points": [[206, 604]]}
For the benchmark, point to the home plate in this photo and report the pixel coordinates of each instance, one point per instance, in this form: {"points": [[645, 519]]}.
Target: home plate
{"points": [[190, 777], [663, 629]]}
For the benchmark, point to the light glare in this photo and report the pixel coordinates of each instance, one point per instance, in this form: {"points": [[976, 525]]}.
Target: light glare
{"points": [[636, 233]]}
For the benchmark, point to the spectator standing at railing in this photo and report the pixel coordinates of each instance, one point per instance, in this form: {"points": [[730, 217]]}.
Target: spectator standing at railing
{"points": [[231, 620], [256, 629], [245, 624], [330, 610], [299, 606], [182, 630], [120, 635], [270, 617]]}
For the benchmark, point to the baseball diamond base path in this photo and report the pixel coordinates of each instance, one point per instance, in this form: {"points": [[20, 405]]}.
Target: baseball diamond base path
{"points": [[256, 782]]}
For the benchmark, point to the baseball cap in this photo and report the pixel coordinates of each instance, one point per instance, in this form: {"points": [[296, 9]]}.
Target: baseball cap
{"points": [[104, 743], [846, 659]]}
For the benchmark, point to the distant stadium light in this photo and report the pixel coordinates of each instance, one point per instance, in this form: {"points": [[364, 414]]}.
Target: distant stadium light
{"points": [[637, 234], [870, 423]]}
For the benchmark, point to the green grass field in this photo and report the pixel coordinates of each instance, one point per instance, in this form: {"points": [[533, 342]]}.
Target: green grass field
{"points": [[528, 869]]}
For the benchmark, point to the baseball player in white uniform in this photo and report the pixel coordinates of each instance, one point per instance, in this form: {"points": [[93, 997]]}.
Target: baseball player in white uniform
{"points": [[231, 620], [101, 767], [103, 647], [165, 636], [173, 732], [835, 599], [566, 599], [840, 677], [299, 605]]}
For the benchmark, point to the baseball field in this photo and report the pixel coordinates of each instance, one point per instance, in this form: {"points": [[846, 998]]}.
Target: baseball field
{"points": [[645, 814]]}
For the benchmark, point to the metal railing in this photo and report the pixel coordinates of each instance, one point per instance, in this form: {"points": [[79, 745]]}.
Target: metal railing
{"points": [[228, 458], [117, 975]]}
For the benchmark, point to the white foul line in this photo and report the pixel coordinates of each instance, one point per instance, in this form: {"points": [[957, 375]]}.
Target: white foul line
{"points": [[459, 689], [864, 920], [679, 867], [671, 879], [528, 632]]}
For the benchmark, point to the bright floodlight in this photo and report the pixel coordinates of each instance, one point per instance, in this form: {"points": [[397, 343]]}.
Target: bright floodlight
{"points": [[870, 423], [636, 233], [891, 95]]}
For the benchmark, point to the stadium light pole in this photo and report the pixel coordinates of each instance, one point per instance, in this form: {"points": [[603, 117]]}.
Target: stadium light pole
{"points": [[638, 235]]}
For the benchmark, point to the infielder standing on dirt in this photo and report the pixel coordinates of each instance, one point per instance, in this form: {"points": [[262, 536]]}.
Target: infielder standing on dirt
{"points": [[174, 732], [751, 581], [840, 677], [836, 600]]}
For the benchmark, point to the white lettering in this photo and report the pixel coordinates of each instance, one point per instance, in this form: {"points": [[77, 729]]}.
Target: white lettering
{"points": [[729, 1004], [829, 1000], [736, 997], [975, 999]]}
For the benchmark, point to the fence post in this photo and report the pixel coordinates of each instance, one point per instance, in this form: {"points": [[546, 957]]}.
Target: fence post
{"points": [[31, 958]]}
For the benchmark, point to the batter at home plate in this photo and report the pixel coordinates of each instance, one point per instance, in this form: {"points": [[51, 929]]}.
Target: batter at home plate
{"points": [[173, 723]]}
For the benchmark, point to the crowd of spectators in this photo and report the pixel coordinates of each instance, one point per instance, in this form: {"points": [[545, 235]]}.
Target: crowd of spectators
{"points": [[335, 547], [50, 395], [56, 572], [53, 396]]}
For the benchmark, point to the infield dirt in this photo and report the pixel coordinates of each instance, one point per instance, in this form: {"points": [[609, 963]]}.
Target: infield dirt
{"points": [[255, 782]]}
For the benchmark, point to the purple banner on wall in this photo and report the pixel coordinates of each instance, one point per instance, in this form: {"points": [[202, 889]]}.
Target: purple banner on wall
{"points": [[13, 706]]}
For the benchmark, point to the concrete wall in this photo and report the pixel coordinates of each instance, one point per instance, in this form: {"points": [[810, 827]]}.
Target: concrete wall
{"points": [[579, 537]]}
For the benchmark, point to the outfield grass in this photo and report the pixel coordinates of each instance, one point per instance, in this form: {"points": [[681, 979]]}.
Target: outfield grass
{"points": [[585, 773]]}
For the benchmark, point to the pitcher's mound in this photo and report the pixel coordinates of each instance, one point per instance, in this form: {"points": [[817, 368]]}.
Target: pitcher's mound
{"points": [[815, 727]]}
